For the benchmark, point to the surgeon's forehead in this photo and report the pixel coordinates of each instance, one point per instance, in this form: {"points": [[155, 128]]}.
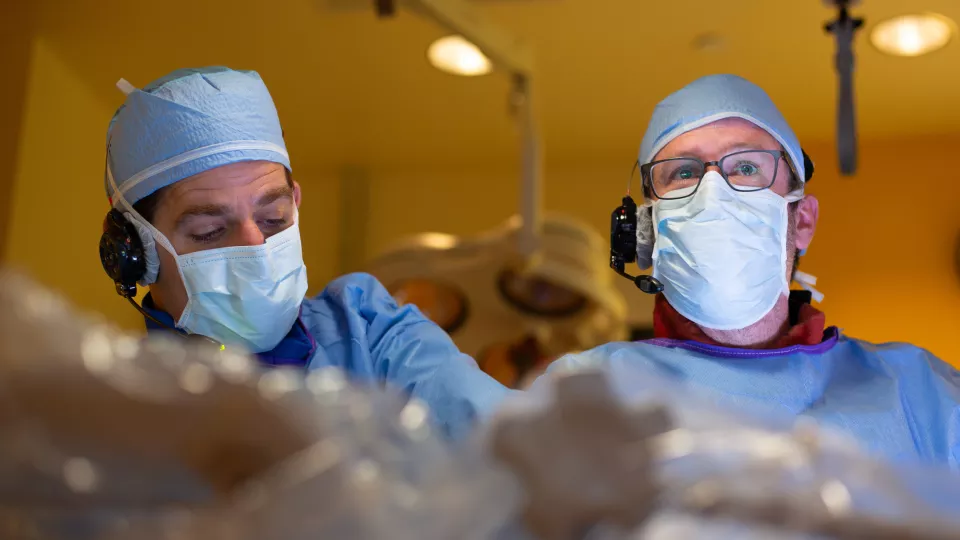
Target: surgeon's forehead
{"points": [[718, 139], [248, 183], [226, 180]]}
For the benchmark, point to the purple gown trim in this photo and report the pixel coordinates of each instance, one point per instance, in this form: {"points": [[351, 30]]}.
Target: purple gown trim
{"points": [[830, 337]]}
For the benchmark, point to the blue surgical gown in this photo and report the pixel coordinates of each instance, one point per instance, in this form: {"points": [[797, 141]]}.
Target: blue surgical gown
{"points": [[899, 401], [355, 324]]}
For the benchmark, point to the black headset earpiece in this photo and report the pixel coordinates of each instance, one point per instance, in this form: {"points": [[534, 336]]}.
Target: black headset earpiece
{"points": [[121, 253], [623, 245], [623, 234]]}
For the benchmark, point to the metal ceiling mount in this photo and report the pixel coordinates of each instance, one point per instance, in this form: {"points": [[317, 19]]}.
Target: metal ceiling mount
{"points": [[385, 8], [844, 29]]}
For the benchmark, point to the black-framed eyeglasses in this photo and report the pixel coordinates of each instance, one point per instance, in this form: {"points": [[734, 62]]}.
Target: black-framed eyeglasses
{"points": [[747, 170]]}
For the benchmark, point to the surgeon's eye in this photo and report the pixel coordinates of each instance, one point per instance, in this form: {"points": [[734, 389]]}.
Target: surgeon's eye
{"points": [[683, 173], [208, 236], [274, 224], [745, 168]]}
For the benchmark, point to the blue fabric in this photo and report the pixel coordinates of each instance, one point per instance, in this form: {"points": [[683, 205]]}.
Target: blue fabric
{"points": [[187, 110], [355, 325], [359, 327], [899, 401], [713, 98]]}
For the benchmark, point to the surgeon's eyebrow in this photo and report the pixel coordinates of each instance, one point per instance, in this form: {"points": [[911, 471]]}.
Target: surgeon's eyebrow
{"points": [[741, 146], [697, 151], [210, 210], [273, 195], [217, 210]]}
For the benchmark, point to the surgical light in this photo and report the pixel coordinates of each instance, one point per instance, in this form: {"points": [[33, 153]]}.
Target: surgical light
{"points": [[456, 55], [912, 35], [440, 302], [539, 296]]}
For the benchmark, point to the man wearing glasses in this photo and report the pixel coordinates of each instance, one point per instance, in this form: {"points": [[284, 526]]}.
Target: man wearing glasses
{"points": [[723, 223]]}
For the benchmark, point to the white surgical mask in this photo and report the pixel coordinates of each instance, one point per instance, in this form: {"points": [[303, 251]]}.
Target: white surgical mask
{"points": [[247, 296], [243, 295], [722, 254]]}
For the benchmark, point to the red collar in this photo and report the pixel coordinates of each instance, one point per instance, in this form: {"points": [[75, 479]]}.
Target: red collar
{"points": [[668, 323]]}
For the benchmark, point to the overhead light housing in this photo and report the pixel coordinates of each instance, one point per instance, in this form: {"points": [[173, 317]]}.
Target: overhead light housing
{"points": [[456, 55], [442, 303], [912, 35], [539, 296]]}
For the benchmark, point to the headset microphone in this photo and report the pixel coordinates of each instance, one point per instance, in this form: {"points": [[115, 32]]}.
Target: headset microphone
{"points": [[623, 246], [645, 283]]}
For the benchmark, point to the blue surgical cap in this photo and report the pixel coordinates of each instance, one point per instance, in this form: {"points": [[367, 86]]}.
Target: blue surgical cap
{"points": [[188, 122], [713, 98]]}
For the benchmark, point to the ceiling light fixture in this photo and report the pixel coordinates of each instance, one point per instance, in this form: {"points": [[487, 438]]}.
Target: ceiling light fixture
{"points": [[912, 35], [456, 55]]}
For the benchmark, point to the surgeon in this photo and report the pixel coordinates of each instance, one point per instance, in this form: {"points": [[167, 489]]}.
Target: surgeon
{"points": [[724, 220], [205, 214]]}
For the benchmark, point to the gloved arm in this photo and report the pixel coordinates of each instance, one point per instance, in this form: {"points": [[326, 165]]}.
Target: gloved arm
{"points": [[402, 348]]}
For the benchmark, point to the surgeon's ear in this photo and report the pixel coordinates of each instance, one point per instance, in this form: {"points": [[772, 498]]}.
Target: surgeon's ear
{"points": [[296, 193], [808, 211]]}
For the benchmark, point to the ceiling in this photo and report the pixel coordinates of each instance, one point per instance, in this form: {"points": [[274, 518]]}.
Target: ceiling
{"points": [[355, 90]]}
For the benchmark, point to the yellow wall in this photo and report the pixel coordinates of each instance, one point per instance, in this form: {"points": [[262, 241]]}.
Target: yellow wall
{"points": [[16, 34], [58, 201], [885, 243]]}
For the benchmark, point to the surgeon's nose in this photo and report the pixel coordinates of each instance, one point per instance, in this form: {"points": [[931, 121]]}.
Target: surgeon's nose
{"points": [[249, 234]]}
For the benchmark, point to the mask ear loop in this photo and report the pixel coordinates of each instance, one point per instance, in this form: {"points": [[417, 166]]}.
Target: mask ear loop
{"points": [[143, 226], [119, 198], [807, 281], [124, 86], [795, 195]]}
